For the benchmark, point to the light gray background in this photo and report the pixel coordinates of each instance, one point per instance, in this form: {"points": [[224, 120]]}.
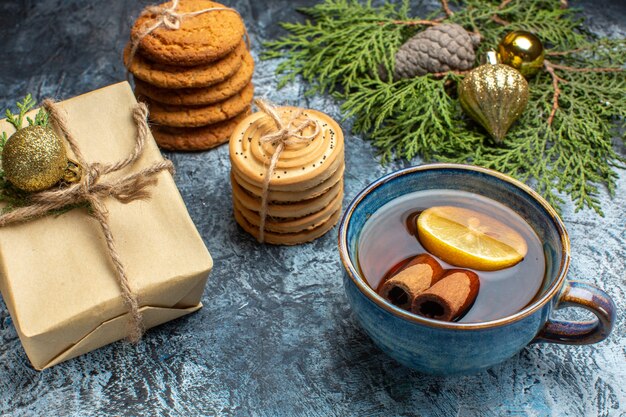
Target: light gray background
{"points": [[276, 336]]}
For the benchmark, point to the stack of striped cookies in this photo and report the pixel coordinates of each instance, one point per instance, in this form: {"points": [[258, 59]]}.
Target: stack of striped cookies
{"points": [[195, 79], [305, 191]]}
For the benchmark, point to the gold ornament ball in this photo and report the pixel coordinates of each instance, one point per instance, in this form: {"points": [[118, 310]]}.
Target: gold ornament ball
{"points": [[523, 51], [34, 159], [495, 95]]}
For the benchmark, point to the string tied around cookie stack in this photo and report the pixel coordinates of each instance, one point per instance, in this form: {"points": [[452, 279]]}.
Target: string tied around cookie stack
{"points": [[91, 190], [169, 18], [288, 133]]}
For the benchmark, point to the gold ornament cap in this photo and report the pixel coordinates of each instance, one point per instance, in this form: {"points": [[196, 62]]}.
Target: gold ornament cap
{"points": [[523, 51], [34, 159]]}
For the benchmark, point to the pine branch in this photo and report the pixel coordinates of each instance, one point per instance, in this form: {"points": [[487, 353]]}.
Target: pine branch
{"points": [[331, 55], [24, 106], [555, 87], [446, 8], [562, 142], [41, 119]]}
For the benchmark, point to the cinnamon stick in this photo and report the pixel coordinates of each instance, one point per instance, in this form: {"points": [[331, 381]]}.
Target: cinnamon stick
{"points": [[418, 275], [450, 297]]}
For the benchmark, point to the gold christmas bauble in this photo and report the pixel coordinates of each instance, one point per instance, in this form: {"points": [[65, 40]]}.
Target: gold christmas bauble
{"points": [[494, 95], [34, 159], [523, 51]]}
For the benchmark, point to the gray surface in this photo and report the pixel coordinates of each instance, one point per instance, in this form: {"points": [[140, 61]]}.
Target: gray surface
{"points": [[276, 336]]}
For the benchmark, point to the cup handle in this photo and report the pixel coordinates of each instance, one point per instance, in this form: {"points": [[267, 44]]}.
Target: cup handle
{"points": [[589, 297]]}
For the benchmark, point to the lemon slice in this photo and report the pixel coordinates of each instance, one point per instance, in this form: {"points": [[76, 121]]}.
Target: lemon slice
{"points": [[469, 239]]}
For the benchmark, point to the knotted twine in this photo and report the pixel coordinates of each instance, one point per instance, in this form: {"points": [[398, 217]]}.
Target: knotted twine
{"points": [[287, 134], [169, 18], [92, 190]]}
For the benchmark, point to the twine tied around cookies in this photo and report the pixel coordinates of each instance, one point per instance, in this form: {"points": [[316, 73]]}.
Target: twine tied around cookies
{"points": [[288, 133], [91, 190], [169, 18]]}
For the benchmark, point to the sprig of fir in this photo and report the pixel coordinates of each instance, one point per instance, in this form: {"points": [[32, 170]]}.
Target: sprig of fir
{"points": [[17, 120], [562, 142]]}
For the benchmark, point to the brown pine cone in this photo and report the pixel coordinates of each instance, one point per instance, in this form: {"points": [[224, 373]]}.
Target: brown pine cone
{"points": [[439, 48]]}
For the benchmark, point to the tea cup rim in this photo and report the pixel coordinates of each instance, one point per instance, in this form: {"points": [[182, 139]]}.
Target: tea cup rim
{"points": [[530, 309]]}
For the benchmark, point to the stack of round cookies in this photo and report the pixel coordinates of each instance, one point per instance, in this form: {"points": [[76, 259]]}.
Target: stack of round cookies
{"points": [[305, 189], [196, 79]]}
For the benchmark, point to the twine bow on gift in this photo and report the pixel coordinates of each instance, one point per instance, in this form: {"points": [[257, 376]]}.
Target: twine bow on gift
{"points": [[170, 18], [288, 133], [92, 190]]}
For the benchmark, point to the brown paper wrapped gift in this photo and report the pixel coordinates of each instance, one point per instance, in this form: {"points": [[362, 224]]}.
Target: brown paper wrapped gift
{"points": [[56, 276]]}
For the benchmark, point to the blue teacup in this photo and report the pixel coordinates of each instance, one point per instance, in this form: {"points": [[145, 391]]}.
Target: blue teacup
{"points": [[439, 347]]}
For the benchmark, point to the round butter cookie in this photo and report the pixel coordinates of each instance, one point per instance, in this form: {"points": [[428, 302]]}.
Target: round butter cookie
{"points": [[288, 238], [291, 225], [200, 96], [171, 76], [200, 39], [291, 196], [196, 138], [181, 116], [288, 210], [300, 166]]}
